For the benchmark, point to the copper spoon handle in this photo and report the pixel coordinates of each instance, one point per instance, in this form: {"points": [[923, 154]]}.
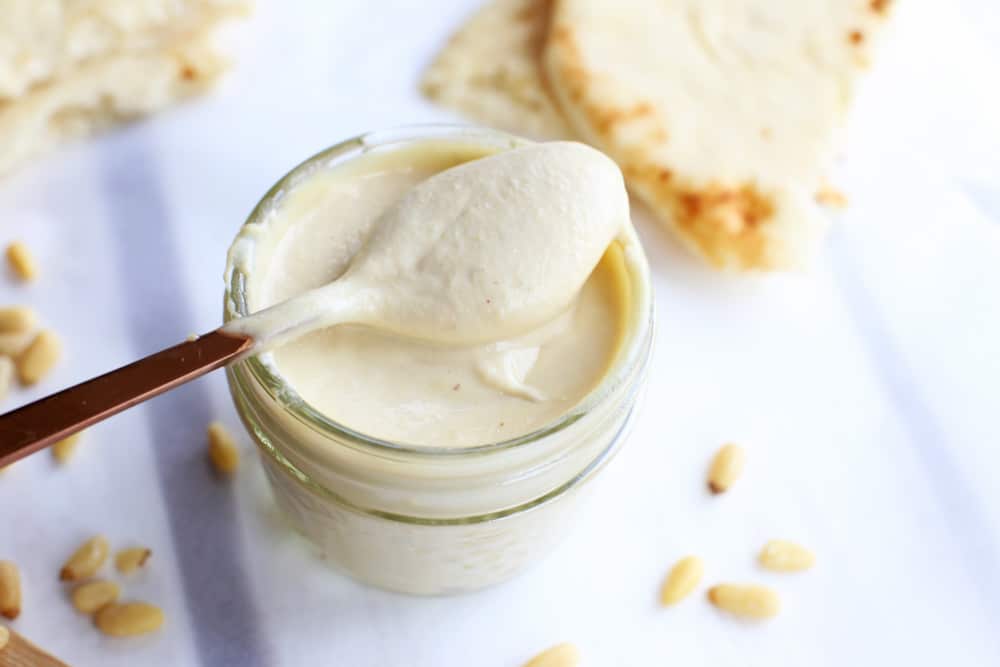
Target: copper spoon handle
{"points": [[39, 424], [19, 652]]}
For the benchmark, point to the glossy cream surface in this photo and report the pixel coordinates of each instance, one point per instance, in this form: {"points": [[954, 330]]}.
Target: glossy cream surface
{"points": [[412, 391]]}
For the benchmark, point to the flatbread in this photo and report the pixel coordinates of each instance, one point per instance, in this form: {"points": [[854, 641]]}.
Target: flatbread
{"points": [[103, 93], [44, 40], [491, 70], [69, 68], [723, 114]]}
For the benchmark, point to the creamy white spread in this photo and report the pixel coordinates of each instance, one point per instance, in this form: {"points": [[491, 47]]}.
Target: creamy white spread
{"points": [[552, 343]]}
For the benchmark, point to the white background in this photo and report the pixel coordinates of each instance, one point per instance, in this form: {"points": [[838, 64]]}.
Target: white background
{"points": [[865, 392]]}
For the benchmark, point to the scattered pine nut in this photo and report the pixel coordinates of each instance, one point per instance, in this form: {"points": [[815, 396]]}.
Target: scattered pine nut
{"points": [[129, 619], [6, 376], [785, 556], [131, 559], [13, 344], [17, 319], [755, 602], [560, 655], [4, 636], [10, 590], [726, 468], [63, 450], [222, 449], [86, 560], [94, 595], [21, 261], [39, 357], [684, 576]]}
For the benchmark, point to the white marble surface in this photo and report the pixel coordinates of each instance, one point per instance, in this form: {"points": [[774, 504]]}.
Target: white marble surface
{"points": [[866, 392]]}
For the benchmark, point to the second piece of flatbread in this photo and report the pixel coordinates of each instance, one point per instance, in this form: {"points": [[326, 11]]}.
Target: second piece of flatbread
{"points": [[46, 40], [102, 93], [491, 70], [723, 114], [69, 68]]}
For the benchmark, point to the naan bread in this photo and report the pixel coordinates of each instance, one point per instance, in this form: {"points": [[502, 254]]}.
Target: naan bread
{"points": [[723, 114], [43, 40], [100, 94], [491, 70], [71, 67]]}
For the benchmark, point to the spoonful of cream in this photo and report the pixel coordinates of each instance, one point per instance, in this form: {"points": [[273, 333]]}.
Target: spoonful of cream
{"points": [[484, 251]]}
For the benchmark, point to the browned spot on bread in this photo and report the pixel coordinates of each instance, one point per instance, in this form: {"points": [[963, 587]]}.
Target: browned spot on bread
{"points": [[188, 73], [607, 119], [714, 204], [537, 11], [726, 223], [856, 37], [831, 197], [561, 37], [880, 7], [652, 173], [562, 34], [529, 12]]}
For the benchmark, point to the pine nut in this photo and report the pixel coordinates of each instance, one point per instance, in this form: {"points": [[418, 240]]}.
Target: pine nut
{"points": [[17, 319], [6, 376], [4, 636], [726, 468], [129, 619], [560, 655], [684, 576], [222, 450], [39, 357], [63, 450], [745, 601], [86, 560], [131, 559], [10, 590], [94, 595], [21, 261], [785, 556]]}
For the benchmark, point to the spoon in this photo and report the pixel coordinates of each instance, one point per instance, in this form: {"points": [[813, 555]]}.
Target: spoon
{"points": [[484, 251]]}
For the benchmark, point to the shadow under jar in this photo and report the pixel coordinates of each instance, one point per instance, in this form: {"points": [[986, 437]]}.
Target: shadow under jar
{"points": [[421, 519]]}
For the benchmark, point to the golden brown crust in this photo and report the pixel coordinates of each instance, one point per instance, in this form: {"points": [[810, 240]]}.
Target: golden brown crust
{"points": [[831, 197], [726, 225], [880, 7]]}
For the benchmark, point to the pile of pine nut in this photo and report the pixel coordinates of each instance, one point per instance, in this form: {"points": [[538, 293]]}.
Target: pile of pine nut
{"points": [[27, 354]]}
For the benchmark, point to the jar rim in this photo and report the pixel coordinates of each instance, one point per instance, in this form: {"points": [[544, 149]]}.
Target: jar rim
{"points": [[284, 394]]}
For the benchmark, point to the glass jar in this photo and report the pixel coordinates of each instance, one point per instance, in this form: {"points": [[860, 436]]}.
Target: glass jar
{"points": [[426, 520]]}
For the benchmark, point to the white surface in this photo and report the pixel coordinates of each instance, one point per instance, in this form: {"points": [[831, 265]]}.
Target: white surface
{"points": [[866, 393]]}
